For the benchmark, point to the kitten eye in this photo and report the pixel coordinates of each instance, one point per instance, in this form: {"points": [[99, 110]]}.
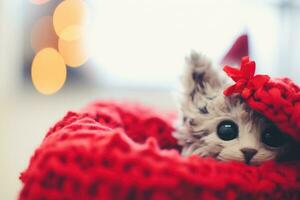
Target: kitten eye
{"points": [[227, 130], [273, 137]]}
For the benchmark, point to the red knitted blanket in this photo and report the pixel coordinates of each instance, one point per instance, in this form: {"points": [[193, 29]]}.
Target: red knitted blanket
{"points": [[126, 151]]}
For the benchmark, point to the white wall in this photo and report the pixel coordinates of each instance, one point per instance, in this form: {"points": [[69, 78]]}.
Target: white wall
{"points": [[11, 46], [290, 65]]}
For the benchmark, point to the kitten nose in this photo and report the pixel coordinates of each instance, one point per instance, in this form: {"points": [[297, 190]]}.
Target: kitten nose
{"points": [[248, 154]]}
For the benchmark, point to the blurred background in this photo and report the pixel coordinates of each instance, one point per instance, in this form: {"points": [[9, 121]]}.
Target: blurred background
{"points": [[59, 55]]}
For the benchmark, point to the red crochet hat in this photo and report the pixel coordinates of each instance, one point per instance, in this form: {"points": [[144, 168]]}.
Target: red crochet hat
{"points": [[278, 99]]}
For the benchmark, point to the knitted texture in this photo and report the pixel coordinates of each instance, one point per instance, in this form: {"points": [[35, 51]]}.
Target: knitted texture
{"points": [[278, 99], [123, 151]]}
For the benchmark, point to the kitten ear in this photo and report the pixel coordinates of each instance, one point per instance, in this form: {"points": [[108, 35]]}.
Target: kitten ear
{"points": [[199, 76]]}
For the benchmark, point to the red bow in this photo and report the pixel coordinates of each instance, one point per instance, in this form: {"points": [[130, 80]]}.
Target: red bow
{"points": [[246, 82]]}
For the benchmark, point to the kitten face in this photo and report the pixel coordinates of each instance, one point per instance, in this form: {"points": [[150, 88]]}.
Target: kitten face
{"points": [[243, 140], [223, 127]]}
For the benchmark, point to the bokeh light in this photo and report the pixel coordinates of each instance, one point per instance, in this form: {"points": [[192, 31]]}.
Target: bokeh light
{"points": [[73, 32], [58, 40], [48, 71], [43, 34], [39, 1], [70, 18], [74, 52]]}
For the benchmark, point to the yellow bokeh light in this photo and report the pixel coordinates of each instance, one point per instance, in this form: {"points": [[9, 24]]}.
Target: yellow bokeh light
{"points": [[70, 18], [43, 34], [48, 71], [74, 52], [73, 32]]}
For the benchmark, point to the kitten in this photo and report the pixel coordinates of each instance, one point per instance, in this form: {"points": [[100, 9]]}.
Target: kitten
{"points": [[225, 128]]}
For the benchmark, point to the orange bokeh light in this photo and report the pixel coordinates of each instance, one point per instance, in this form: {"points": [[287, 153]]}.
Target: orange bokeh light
{"points": [[70, 18], [48, 71], [74, 52], [43, 34]]}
